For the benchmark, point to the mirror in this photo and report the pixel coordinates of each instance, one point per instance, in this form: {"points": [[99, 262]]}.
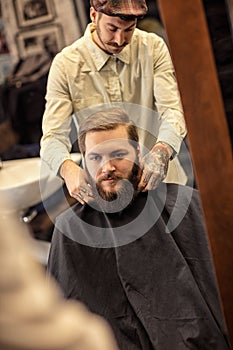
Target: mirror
{"points": [[219, 15]]}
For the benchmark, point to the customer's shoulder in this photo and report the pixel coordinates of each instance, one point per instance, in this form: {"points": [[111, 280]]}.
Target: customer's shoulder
{"points": [[183, 193], [173, 188], [69, 216], [179, 196], [180, 205]]}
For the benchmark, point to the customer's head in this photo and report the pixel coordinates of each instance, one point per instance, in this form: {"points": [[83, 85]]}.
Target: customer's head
{"points": [[109, 142], [115, 21]]}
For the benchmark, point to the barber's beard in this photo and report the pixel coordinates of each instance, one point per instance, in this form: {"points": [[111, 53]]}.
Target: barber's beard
{"points": [[117, 200]]}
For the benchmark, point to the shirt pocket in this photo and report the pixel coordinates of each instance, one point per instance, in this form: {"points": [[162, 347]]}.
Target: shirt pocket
{"points": [[91, 103]]}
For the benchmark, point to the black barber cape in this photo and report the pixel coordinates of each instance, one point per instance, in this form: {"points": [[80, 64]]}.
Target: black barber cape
{"points": [[146, 269]]}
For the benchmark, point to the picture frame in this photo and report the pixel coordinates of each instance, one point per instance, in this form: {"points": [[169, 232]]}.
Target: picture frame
{"points": [[33, 12], [44, 39]]}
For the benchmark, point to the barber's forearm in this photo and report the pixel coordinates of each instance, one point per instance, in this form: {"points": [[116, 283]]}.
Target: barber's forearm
{"points": [[168, 134], [55, 142], [66, 168], [54, 153], [172, 128], [165, 147]]}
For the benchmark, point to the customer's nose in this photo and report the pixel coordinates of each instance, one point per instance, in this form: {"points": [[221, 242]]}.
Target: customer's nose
{"points": [[108, 166]]}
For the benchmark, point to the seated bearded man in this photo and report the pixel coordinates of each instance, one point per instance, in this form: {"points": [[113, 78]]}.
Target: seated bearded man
{"points": [[139, 259]]}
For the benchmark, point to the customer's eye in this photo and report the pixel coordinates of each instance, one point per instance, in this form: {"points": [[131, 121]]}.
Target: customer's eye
{"points": [[95, 158], [120, 155]]}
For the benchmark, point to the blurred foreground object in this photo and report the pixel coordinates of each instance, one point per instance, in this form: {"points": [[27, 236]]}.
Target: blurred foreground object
{"points": [[33, 314]]}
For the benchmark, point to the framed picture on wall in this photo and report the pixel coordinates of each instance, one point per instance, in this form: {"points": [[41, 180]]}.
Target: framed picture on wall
{"points": [[32, 12], [33, 42]]}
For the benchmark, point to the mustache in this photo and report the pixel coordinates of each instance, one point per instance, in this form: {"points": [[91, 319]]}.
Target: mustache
{"points": [[109, 176], [116, 45]]}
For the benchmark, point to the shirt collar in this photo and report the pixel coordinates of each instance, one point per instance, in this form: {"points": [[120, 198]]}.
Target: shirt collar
{"points": [[101, 57]]}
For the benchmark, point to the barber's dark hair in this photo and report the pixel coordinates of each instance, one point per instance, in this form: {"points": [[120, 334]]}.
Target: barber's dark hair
{"points": [[108, 119]]}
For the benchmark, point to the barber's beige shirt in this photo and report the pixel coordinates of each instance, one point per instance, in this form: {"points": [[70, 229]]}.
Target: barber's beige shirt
{"points": [[84, 79]]}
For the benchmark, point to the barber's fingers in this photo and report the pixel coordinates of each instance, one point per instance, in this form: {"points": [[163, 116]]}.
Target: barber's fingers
{"points": [[76, 181], [153, 182], [151, 176], [78, 197], [84, 191], [83, 194], [81, 189], [145, 177], [154, 170], [82, 198], [149, 180]]}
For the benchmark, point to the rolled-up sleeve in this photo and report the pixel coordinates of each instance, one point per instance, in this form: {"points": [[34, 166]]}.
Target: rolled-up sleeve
{"points": [[167, 99], [55, 142]]}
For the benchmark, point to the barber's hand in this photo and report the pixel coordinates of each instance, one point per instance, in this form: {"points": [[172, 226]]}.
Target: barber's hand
{"points": [[76, 181], [154, 166]]}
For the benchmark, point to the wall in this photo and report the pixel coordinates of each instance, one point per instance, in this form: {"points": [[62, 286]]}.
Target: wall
{"points": [[31, 27], [219, 21], [5, 57], [54, 23]]}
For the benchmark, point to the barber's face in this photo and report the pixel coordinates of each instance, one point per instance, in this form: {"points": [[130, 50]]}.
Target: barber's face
{"points": [[109, 159], [112, 34]]}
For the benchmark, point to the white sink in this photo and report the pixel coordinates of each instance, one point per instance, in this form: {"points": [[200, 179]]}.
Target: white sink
{"points": [[26, 182]]}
